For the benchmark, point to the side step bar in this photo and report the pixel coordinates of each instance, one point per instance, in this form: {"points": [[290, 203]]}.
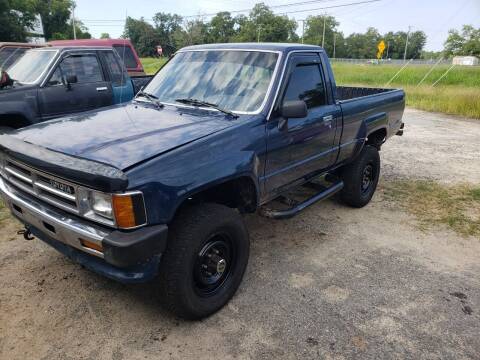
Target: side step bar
{"points": [[291, 212]]}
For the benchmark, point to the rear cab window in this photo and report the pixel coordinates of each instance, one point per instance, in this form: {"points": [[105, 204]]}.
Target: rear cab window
{"points": [[127, 56]]}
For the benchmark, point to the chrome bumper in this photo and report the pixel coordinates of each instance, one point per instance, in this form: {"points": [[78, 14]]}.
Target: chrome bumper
{"points": [[61, 227]]}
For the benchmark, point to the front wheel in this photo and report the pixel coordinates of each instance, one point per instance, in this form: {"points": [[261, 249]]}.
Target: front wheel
{"points": [[205, 259], [361, 178]]}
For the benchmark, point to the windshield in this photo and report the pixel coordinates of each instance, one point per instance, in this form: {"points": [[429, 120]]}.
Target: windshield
{"points": [[234, 80], [31, 66], [9, 54]]}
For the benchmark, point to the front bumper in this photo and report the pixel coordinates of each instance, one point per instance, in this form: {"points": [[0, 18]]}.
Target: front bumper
{"points": [[131, 256]]}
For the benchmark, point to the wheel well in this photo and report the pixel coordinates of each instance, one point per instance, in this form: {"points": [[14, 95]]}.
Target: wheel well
{"points": [[377, 138], [238, 193], [15, 121]]}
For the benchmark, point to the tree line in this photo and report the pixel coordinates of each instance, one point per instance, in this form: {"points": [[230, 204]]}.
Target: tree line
{"points": [[173, 31], [17, 18]]}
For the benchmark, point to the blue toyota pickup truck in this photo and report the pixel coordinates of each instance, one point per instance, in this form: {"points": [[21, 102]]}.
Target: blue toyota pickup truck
{"points": [[155, 189]]}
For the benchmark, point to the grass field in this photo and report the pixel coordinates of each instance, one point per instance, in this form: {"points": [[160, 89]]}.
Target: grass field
{"points": [[458, 93], [457, 207]]}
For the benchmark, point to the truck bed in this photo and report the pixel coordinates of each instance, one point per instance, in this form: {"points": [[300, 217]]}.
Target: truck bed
{"points": [[350, 92]]}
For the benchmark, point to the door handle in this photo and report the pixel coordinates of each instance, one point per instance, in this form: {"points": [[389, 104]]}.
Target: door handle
{"points": [[328, 120], [103, 88]]}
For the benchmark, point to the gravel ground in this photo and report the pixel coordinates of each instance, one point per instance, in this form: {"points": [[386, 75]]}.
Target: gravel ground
{"points": [[332, 283]]}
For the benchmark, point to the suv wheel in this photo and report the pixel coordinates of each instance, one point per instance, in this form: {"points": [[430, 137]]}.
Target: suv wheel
{"points": [[206, 257], [361, 178]]}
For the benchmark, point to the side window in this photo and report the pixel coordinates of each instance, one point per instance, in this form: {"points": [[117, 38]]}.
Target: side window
{"points": [[85, 67], [56, 78], [126, 54], [306, 84], [116, 71]]}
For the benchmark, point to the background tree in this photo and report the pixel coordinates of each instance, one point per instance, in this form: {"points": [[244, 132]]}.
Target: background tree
{"points": [[16, 16], [165, 26], [105, 36], [143, 36], [465, 43], [263, 25], [314, 32], [55, 16], [222, 27]]}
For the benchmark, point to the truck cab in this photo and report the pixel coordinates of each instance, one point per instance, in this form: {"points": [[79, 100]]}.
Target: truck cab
{"points": [[57, 81], [124, 48]]}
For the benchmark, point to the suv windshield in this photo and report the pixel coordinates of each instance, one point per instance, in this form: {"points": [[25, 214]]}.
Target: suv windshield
{"points": [[31, 66], [231, 79]]}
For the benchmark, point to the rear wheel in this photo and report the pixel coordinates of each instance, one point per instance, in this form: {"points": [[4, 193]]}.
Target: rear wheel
{"points": [[205, 260], [361, 178]]}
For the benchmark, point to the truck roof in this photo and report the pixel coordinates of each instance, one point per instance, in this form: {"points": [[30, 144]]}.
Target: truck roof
{"points": [[19, 44], [283, 47], [91, 42], [65, 48]]}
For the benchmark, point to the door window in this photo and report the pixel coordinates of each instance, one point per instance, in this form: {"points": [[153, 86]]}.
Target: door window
{"points": [[85, 67], [306, 84]]}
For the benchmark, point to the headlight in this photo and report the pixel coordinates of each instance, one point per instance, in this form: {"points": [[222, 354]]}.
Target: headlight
{"points": [[101, 204], [124, 211]]}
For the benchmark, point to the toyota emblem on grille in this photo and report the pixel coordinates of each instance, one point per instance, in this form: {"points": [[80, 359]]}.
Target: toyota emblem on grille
{"points": [[62, 187]]}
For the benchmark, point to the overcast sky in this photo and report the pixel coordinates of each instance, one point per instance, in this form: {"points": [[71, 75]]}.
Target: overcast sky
{"points": [[434, 17]]}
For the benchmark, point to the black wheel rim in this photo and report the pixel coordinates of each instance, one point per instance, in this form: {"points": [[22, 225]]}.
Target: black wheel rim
{"points": [[214, 264], [368, 178]]}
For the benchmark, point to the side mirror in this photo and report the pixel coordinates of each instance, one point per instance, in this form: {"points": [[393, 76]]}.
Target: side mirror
{"points": [[5, 79], [72, 79], [294, 109]]}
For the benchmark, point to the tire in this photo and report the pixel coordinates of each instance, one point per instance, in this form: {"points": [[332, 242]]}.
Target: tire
{"points": [[361, 178], [200, 238], [5, 130]]}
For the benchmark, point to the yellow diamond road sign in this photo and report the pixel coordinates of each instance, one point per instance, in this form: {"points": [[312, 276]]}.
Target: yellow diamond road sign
{"points": [[381, 49]]}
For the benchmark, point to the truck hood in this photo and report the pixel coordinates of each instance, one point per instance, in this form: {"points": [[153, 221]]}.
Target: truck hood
{"points": [[125, 135]]}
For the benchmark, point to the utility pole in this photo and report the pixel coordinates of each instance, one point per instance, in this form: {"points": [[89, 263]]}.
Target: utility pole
{"points": [[334, 43], [73, 23], [258, 33], [323, 36], [406, 45], [303, 30], [388, 47]]}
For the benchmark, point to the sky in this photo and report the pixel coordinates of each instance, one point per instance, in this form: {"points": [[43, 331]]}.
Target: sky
{"points": [[434, 17]]}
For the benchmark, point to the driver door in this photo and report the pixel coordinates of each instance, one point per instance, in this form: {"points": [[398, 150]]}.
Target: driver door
{"points": [[57, 97], [299, 147]]}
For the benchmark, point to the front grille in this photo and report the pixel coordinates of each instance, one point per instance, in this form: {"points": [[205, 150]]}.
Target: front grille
{"points": [[50, 189]]}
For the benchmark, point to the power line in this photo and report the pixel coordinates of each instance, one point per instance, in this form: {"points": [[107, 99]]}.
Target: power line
{"points": [[101, 21]]}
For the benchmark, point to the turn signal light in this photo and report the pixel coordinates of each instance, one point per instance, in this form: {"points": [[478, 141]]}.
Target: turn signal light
{"points": [[129, 210], [91, 245]]}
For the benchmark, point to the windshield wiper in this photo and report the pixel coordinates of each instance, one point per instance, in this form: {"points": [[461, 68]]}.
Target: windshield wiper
{"points": [[152, 98], [196, 102]]}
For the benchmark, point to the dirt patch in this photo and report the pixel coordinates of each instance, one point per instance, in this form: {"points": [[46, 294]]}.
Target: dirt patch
{"points": [[333, 282], [456, 206]]}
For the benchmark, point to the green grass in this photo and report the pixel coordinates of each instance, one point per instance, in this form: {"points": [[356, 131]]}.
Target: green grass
{"points": [[457, 207], [151, 65], [458, 93]]}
